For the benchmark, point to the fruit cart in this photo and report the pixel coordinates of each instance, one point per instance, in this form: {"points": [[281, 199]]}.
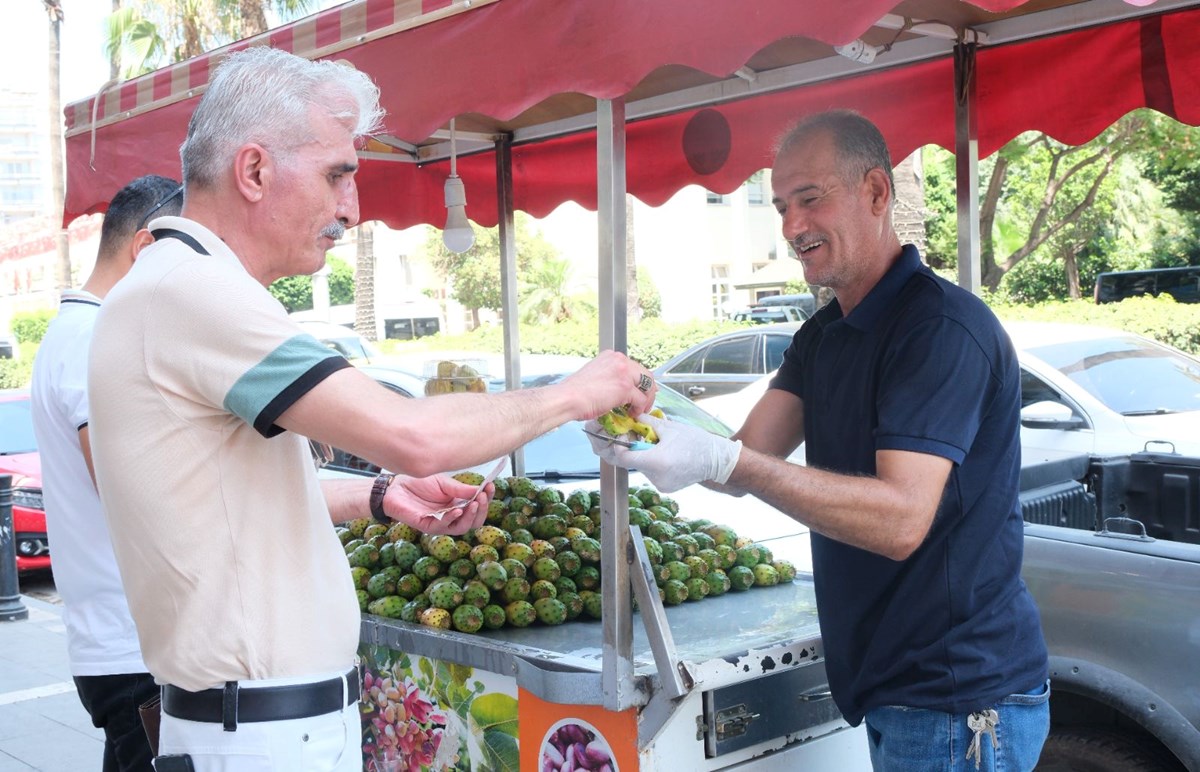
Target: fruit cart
{"points": [[715, 684]]}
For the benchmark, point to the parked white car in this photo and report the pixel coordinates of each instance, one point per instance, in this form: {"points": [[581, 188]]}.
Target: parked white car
{"points": [[1105, 391], [1083, 389]]}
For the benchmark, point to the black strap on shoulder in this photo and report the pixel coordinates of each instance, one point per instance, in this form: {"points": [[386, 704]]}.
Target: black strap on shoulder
{"points": [[171, 233]]}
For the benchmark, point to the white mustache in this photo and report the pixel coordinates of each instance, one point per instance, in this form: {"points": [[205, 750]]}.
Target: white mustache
{"points": [[334, 230]]}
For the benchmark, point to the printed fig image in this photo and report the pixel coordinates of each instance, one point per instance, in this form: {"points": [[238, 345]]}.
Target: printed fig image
{"points": [[574, 744]]}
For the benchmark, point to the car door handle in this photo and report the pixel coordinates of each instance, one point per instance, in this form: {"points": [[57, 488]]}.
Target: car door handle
{"points": [[695, 391]]}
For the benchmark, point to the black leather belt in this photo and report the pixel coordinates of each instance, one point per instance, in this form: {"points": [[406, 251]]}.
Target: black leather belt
{"points": [[231, 705]]}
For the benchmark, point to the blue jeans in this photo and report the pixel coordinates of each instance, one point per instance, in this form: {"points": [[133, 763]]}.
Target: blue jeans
{"points": [[917, 740]]}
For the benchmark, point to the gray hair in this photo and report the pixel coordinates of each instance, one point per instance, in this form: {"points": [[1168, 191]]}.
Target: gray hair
{"points": [[860, 145], [263, 95]]}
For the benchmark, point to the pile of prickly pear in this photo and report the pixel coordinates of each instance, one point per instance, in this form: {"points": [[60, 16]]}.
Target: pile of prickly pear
{"points": [[537, 560]]}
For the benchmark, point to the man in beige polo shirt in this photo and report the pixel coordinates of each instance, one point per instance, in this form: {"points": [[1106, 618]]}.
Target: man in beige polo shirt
{"points": [[203, 393]]}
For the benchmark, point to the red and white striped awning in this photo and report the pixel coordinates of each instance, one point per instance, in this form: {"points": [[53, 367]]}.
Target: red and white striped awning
{"points": [[709, 84]]}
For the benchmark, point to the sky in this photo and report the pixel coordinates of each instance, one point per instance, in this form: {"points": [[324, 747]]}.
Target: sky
{"points": [[25, 45], [25, 49]]}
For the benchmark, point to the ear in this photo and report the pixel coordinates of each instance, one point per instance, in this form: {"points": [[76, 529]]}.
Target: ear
{"points": [[879, 189], [140, 241], [251, 170]]}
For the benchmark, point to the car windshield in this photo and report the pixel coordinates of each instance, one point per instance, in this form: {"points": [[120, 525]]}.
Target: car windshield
{"points": [[16, 428], [1129, 375]]}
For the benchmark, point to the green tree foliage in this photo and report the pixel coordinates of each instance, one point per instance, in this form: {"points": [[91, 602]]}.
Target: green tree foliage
{"points": [[296, 293], [546, 296], [146, 34], [649, 298], [1053, 216], [474, 275], [30, 326]]}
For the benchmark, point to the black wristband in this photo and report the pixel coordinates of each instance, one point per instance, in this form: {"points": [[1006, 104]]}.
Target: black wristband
{"points": [[378, 489]]}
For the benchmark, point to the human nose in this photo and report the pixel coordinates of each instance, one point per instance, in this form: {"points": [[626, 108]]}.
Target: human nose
{"points": [[793, 224], [347, 209]]}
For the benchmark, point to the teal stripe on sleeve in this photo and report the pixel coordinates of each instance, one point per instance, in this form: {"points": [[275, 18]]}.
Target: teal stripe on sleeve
{"points": [[261, 384]]}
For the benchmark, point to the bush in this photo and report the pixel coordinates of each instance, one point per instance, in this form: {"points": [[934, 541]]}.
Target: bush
{"points": [[651, 341], [1161, 318], [30, 326], [16, 373]]}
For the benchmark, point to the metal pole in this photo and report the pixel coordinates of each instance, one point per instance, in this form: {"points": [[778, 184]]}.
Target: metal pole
{"points": [[11, 607], [508, 279], [617, 675], [966, 171]]}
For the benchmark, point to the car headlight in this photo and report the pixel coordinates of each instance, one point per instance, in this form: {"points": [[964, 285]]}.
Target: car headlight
{"points": [[30, 498]]}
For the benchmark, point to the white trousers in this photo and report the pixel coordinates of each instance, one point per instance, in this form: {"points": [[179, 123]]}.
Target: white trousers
{"points": [[327, 743]]}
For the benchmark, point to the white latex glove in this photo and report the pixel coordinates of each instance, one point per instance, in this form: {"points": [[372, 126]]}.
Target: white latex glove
{"points": [[684, 455]]}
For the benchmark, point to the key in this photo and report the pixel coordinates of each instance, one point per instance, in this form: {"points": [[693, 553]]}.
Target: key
{"points": [[981, 723]]}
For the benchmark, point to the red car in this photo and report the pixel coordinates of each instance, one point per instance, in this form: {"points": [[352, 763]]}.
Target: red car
{"points": [[19, 458]]}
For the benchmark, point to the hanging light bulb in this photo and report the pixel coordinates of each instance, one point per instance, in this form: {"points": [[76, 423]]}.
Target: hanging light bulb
{"points": [[458, 236]]}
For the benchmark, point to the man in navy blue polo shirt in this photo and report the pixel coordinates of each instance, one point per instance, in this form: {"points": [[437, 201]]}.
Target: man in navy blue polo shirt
{"points": [[907, 391]]}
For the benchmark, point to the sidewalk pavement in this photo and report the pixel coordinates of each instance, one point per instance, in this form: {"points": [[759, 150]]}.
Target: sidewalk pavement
{"points": [[42, 725]]}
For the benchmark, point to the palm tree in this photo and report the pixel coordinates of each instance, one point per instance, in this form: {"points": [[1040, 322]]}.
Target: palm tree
{"points": [[147, 34], [57, 191]]}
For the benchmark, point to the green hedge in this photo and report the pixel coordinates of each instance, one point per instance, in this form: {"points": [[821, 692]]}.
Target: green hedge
{"points": [[1161, 318], [30, 326], [16, 373], [651, 341]]}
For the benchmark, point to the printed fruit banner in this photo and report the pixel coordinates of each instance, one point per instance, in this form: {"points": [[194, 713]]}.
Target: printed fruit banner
{"points": [[425, 714]]}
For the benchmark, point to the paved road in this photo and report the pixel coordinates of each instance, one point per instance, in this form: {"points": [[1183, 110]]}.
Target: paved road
{"points": [[40, 585], [42, 725]]}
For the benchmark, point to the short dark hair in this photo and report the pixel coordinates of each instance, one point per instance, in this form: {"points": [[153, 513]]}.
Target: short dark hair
{"points": [[132, 203], [859, 143]]}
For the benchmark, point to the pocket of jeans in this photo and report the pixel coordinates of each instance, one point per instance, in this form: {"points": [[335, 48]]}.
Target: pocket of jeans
{"points": [[1041, 697]]}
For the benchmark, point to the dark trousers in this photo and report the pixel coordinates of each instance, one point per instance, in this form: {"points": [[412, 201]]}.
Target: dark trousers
{"points": [[112, 701]]}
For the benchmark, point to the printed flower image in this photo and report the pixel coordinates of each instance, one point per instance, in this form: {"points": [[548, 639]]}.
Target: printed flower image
{"points": [[422, 714]]}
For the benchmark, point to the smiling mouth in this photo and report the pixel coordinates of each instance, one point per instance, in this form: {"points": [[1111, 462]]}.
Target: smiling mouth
{"points": [[809, 246]]}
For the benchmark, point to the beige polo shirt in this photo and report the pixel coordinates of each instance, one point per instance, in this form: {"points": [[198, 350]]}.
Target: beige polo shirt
{"points": [[222, 536]]}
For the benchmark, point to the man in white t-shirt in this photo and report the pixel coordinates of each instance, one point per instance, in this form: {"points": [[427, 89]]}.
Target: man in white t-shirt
{"points": [[102, 643], [203, 394]]}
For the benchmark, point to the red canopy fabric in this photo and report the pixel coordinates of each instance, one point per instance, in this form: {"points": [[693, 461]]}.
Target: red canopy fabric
{"points": [[500, 59]]}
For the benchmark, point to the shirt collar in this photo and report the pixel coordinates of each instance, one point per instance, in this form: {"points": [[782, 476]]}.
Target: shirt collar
{"points": [[881, 297], [78, 297]]}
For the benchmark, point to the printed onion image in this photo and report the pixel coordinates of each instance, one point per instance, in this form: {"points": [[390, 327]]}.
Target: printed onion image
{"points": [[574, 745]]}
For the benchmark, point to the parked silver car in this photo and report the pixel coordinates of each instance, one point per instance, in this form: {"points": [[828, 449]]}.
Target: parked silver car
{"points": [[728, 362]]}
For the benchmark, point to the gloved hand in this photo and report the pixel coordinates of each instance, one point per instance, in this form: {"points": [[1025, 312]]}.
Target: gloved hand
{"points": [[684, 455]]}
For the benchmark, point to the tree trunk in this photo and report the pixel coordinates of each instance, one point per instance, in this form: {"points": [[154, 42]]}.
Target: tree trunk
{"points": [[633, 308], [254, 19], [114, 64], [1072, 268], [57, 187], [364, 282]]}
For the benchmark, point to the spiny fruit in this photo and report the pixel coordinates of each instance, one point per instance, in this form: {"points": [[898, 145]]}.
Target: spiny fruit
{"points": [[494, 616], [786, 570], [436, 617], [389, 606], [619, 423], [468, 478], [467, 618], [520, 613], [550, 611], [443, 548], [445, 595], [492, 574]]}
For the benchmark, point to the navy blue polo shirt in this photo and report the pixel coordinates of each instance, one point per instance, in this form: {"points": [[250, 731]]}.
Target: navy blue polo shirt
{"points": [[921, 365]]}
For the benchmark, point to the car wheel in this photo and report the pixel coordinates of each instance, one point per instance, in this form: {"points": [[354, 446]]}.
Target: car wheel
{"points": [[1090, 750]]}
